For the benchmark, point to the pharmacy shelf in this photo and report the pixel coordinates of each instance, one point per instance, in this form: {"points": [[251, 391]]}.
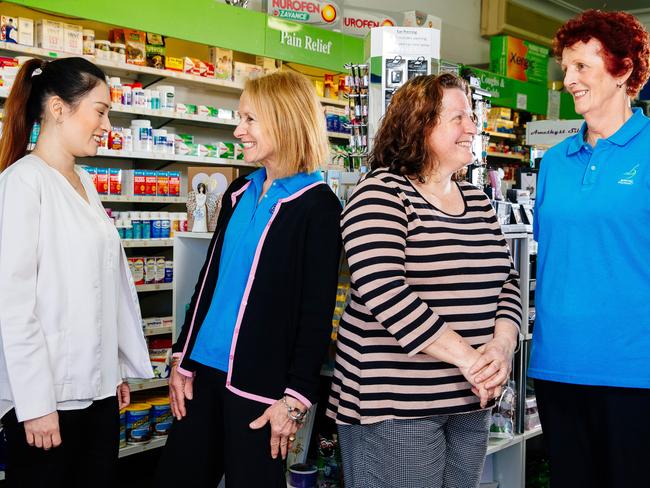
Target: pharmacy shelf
{"points": [[147, 384], [200, 120], [503, 135], [127, 70], [338, 135], [109, 153], [153, 331], [147, 242], [195, 235], [154, 287], [333, 101], [496, 445], [154, 443], [140, 199], [533, 433], [519, 157]]}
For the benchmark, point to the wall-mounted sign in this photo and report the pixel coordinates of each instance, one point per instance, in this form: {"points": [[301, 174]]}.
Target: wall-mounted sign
{"points": [[322, 14], [358, 22]]}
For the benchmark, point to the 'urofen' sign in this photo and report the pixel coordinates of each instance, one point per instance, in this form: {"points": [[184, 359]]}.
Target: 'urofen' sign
{"points": [[306, 11]]}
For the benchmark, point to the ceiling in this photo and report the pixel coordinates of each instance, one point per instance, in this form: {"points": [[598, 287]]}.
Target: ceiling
{"points": [[632, 6]]}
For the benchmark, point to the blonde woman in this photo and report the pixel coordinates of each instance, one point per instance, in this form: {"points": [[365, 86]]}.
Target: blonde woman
{"points": [[246, 363]]}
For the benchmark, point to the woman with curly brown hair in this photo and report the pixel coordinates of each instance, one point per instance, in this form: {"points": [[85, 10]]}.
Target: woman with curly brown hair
{"points": [[591, 346], [427, 339]]}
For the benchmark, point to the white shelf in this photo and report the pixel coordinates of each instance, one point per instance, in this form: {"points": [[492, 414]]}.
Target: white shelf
{"points": [[504, 135], [154, 287], [154, 443], [338, 135], [147, 242], [148, 384], [141, 199], [194, 235], [518, 157], [333, 101], [109, 153], [496, 445], [152, 331], [170, 114], [124, 69], [533, 433]]}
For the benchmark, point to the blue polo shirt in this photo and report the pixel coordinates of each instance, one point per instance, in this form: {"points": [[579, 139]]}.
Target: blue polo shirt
{"points": [[243, 234], [592, 223]]}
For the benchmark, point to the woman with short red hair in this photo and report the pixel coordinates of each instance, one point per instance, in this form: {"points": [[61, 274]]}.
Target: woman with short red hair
{"points": [[591, 345]]}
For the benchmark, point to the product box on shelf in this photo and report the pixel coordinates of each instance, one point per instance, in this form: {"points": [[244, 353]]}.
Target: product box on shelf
{"points": [[135, 181], [151, 180], [136, 265], [25, 31], [269, 65], [174, 183], [174, 64], [222, 59], [115, 181], [519, 59], [49, 35], [244, 71], [162, 184], [239, 151], [9, 26], [73, 40], [102, 181], [149, 270], [155, 50], [135, 42], [226, 150]]}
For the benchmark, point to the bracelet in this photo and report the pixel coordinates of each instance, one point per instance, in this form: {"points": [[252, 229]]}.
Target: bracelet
{"points": [[294, 413]]}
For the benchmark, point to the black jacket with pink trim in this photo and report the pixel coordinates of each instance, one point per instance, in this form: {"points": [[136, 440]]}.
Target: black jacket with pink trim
{"points": [[284, 332]]}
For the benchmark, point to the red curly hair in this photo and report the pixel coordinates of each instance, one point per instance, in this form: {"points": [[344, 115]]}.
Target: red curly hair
{"points": [[622, 36]]}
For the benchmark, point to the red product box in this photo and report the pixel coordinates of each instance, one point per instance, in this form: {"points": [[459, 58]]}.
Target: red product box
{"points": [[162, 188], [150, 183], [102, 181], [209, 73], [115, 181], [139, 182], [174, 184], [136, 265]]}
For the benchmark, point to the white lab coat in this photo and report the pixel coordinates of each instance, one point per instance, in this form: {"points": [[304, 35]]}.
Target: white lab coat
{"points": [[70, 324]]}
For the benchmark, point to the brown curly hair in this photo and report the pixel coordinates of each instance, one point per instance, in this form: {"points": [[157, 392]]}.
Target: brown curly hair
{"points": [[401, 141], [622, 36]]}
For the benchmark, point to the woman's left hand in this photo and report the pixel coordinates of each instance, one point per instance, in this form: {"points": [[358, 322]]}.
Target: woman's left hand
{"points": [[123, 395], [283, 429]]}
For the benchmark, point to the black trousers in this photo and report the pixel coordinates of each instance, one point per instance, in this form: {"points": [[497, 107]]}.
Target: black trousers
{"points": [[214, 439], [87, 456], [597, 437]]}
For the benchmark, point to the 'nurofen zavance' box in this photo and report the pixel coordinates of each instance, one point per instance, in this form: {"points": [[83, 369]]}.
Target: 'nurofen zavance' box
{"points": [[519, 59]]}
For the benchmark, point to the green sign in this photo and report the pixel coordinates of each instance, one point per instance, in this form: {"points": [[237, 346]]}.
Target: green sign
{"points": [[567, 107], [514, 94], [300, 43]]}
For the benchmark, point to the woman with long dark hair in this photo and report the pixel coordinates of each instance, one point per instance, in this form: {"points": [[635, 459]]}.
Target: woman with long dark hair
{"points": [[70, 325]]}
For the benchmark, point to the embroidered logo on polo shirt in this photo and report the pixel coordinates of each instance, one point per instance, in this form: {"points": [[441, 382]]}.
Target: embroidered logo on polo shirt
{"points": [[628, 176]]}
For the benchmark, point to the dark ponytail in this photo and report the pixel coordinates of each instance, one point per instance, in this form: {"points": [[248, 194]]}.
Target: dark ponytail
{"points": [[37, 80]]}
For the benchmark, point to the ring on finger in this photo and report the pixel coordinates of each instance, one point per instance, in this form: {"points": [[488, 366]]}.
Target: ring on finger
{"points": [[292, 438]]}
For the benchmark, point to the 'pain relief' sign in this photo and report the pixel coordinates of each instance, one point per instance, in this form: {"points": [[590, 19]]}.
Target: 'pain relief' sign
{"points": [[305, 41], [305, 11]]}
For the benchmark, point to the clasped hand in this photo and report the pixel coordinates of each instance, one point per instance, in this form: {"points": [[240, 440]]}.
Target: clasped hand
{"points": [[490, 371]]}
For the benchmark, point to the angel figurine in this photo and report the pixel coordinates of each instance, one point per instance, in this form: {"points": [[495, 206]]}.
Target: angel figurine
{"points": [[201, 209], [197, 208]]}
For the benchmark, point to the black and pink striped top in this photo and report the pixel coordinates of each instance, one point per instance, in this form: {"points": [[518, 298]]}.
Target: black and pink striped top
{"points": [[415, 271]]}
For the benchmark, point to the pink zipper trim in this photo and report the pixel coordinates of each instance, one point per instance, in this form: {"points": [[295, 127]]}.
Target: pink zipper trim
{"points": [[181, 370], [233, 196], [247, 290]]}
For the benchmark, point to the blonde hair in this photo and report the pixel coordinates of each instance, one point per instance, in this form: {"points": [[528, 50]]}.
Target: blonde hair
{"points": [[292, 117]]}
